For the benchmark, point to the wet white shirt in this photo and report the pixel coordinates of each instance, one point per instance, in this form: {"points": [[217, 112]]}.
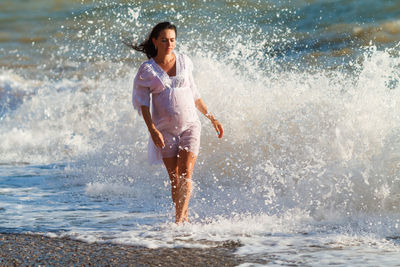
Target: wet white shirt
{"points": [[173, 98]]}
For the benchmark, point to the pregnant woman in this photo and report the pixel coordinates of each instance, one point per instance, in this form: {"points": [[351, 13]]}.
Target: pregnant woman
{"points": [[173, 125]]}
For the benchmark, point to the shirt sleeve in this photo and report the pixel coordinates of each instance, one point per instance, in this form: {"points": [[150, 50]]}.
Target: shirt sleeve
{"points": [[189, 65], [141, 88]]}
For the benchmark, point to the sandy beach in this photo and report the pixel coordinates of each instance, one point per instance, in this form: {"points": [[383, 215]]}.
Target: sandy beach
{"points": [[34, 250]]}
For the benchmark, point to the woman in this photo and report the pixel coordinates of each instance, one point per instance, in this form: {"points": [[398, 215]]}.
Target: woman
{"points": [[174, 126]]}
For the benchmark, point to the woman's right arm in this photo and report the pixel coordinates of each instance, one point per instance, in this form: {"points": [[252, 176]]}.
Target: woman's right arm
{"points": [[155, 134]]}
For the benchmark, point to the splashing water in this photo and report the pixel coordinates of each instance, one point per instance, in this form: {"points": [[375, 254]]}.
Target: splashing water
{"points": [[310, 162]]}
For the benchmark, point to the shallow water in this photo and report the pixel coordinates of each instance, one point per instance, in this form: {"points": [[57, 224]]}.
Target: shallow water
{"points": [[308, 91]]}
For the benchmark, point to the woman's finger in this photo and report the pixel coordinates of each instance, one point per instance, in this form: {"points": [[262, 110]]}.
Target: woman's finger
{"points": [[161, 140], [216, 127], [221, 131], [158, 139]]}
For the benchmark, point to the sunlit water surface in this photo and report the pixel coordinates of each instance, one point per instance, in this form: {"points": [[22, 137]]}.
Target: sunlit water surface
{"points": [[308, 172]]}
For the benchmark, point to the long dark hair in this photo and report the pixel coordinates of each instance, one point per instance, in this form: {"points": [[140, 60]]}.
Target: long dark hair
{"points": [[147, 46]]}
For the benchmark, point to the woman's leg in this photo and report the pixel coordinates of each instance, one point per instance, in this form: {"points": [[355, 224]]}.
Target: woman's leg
{"points": [[172, 168], [186, 161]]}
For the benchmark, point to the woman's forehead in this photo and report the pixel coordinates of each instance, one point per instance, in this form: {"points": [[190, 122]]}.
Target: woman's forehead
{"points": [[167, 33]]}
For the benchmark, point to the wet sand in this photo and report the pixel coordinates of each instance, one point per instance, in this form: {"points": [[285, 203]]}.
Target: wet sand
{"points": [[34, 250]]}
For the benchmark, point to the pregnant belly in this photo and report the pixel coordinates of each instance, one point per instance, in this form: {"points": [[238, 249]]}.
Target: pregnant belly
{"points": [[175, 107]]}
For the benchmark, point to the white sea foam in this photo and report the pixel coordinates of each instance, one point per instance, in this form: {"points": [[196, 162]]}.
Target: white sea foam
{"points": [[328, 140], [309, 163], [307, 173], [307, 169]]}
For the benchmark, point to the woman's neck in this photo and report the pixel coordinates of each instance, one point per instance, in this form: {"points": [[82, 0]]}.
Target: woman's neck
{"points": [[165, 58]]}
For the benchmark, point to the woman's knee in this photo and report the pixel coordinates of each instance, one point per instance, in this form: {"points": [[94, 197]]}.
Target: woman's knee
{"points": [[186, 162], [171, 165]]}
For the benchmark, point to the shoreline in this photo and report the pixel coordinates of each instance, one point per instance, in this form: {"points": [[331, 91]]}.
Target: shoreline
{"points": [[33, 249]]}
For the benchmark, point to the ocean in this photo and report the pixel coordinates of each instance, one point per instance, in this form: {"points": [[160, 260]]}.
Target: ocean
{"points": [[308, 171]]}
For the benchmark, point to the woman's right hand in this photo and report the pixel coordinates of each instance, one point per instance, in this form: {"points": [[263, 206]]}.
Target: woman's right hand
{"points": [[157, 137]]}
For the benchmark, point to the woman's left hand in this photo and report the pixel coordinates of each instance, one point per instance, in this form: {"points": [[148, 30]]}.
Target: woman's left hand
{"points": [[218, 127], [203, 109]]}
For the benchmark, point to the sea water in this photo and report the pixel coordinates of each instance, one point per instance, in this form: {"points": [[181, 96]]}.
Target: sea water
{"points": [[307, 173]]}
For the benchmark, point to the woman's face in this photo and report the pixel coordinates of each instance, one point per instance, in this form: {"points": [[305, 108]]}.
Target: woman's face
{"points": [[165, 43]]}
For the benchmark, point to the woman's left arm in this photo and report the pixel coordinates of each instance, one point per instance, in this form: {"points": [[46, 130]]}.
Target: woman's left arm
{"points": [[203, 109]]}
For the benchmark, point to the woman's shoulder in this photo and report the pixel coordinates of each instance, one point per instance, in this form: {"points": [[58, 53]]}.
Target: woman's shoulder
{"points": [[186, 60], [146, 66], [145, 72], [147, 63], [185, 57]]}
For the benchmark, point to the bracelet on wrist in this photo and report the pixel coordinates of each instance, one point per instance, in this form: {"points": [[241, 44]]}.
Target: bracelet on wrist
{"points": [[211, 117]]}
